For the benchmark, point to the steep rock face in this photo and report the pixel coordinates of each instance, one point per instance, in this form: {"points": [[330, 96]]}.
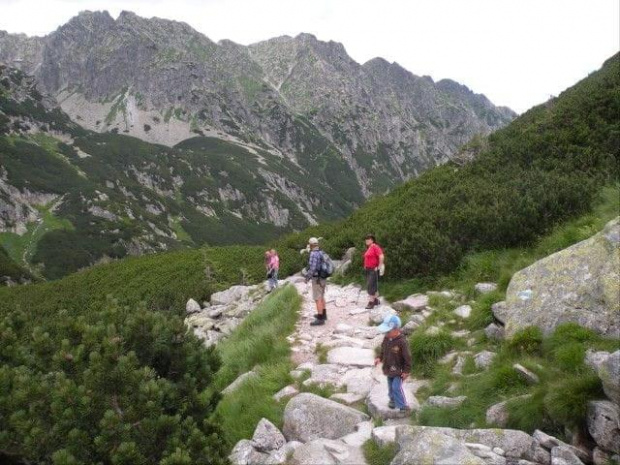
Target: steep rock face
{"points": [[578, 284], [299, 97]]}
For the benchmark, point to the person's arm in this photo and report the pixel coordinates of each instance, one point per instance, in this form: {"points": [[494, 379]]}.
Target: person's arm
{"points": [[406, 358]]}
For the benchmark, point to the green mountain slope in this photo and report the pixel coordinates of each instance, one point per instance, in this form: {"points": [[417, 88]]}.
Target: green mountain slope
{"points": [[543, 168], [72, 197]]}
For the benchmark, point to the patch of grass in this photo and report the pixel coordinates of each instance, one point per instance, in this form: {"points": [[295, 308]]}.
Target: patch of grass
{"points": [[567, 398], [481, 313], [527, 341], [379, 455], [322, 390], [321, 353], [259, 340], [426, 349]]}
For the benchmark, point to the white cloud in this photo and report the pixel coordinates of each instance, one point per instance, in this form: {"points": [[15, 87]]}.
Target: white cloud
{"points": [[517, 52]]}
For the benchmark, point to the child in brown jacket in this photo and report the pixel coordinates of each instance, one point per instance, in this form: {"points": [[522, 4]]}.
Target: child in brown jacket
{"points": [[396, 360]]}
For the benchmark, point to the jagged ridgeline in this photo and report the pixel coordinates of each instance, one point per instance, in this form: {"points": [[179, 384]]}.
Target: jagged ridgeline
{"points": [[543, 168], [237, 144]]}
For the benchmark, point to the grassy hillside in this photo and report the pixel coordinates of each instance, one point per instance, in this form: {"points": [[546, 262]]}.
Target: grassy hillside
{"points": [[116, 195], [544, 168], [160, 281]]}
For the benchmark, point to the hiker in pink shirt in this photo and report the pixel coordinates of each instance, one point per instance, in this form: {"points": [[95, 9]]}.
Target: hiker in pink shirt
{"points": [[373, 267], [273, 266]]}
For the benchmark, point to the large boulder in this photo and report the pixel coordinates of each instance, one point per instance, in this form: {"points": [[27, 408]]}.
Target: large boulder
{"points": [[432, 447], [515, 444], [578, 284], [327, 452], [604, 424], [308, 417]]}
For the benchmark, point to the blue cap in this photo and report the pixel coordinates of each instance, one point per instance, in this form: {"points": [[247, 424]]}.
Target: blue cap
{"points": [[389, 323]]}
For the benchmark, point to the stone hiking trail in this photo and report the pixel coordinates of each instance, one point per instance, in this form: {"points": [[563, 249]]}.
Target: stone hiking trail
{"points": [[340, 356]]}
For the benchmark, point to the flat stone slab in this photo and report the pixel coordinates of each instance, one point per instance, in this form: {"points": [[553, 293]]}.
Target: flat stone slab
{"points": [[384, 435], [412, 303], [351, 356], [377, 400]]}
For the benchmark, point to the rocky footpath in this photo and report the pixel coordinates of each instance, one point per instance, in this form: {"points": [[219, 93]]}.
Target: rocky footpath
{"points": [[338, 358]]}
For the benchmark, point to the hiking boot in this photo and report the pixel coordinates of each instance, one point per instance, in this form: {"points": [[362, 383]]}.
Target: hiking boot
{"points": [[318, 322], [405, 409], [377, 302], [391, 404], [321, 317], [370, 305]]}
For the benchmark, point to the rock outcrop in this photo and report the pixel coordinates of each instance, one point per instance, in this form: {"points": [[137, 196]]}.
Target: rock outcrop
{"points": [[578, 284]]}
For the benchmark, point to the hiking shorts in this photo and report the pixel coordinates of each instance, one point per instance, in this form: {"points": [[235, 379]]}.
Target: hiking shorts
{"points": [[318, 288], [372, 281]]}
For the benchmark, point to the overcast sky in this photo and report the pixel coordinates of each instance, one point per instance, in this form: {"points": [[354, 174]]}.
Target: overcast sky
{"points": [[516, 52]]}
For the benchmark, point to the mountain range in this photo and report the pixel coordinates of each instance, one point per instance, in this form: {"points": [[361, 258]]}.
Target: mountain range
{"points": [[161, 137]]}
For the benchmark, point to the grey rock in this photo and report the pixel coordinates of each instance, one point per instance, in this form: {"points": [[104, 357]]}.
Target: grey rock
{"points": [[325, 451], [347, 398], [578, 284], [433, 447], [601, 457], [230, 295], [607, 367], [413, 303], [484, 359], [377, 400], [239, 381], [603, 418], [215, 313], [550, 442], [409, 327], [445, 402], [464, 311], [363, 432], [384, 435], [308, 417], [529, 376], [487, 454], [564, 456], [495, 332], [351, 356], [244, 453], [267, 437], [378, 314], [359, 381], [282, 455], [497, 414], [485, 288], [326, 374], [288, 391], [516, 444], [192, 306]]}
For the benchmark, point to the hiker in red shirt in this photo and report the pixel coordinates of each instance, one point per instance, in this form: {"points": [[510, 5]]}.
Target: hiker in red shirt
{"points": [[373, 267]]}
